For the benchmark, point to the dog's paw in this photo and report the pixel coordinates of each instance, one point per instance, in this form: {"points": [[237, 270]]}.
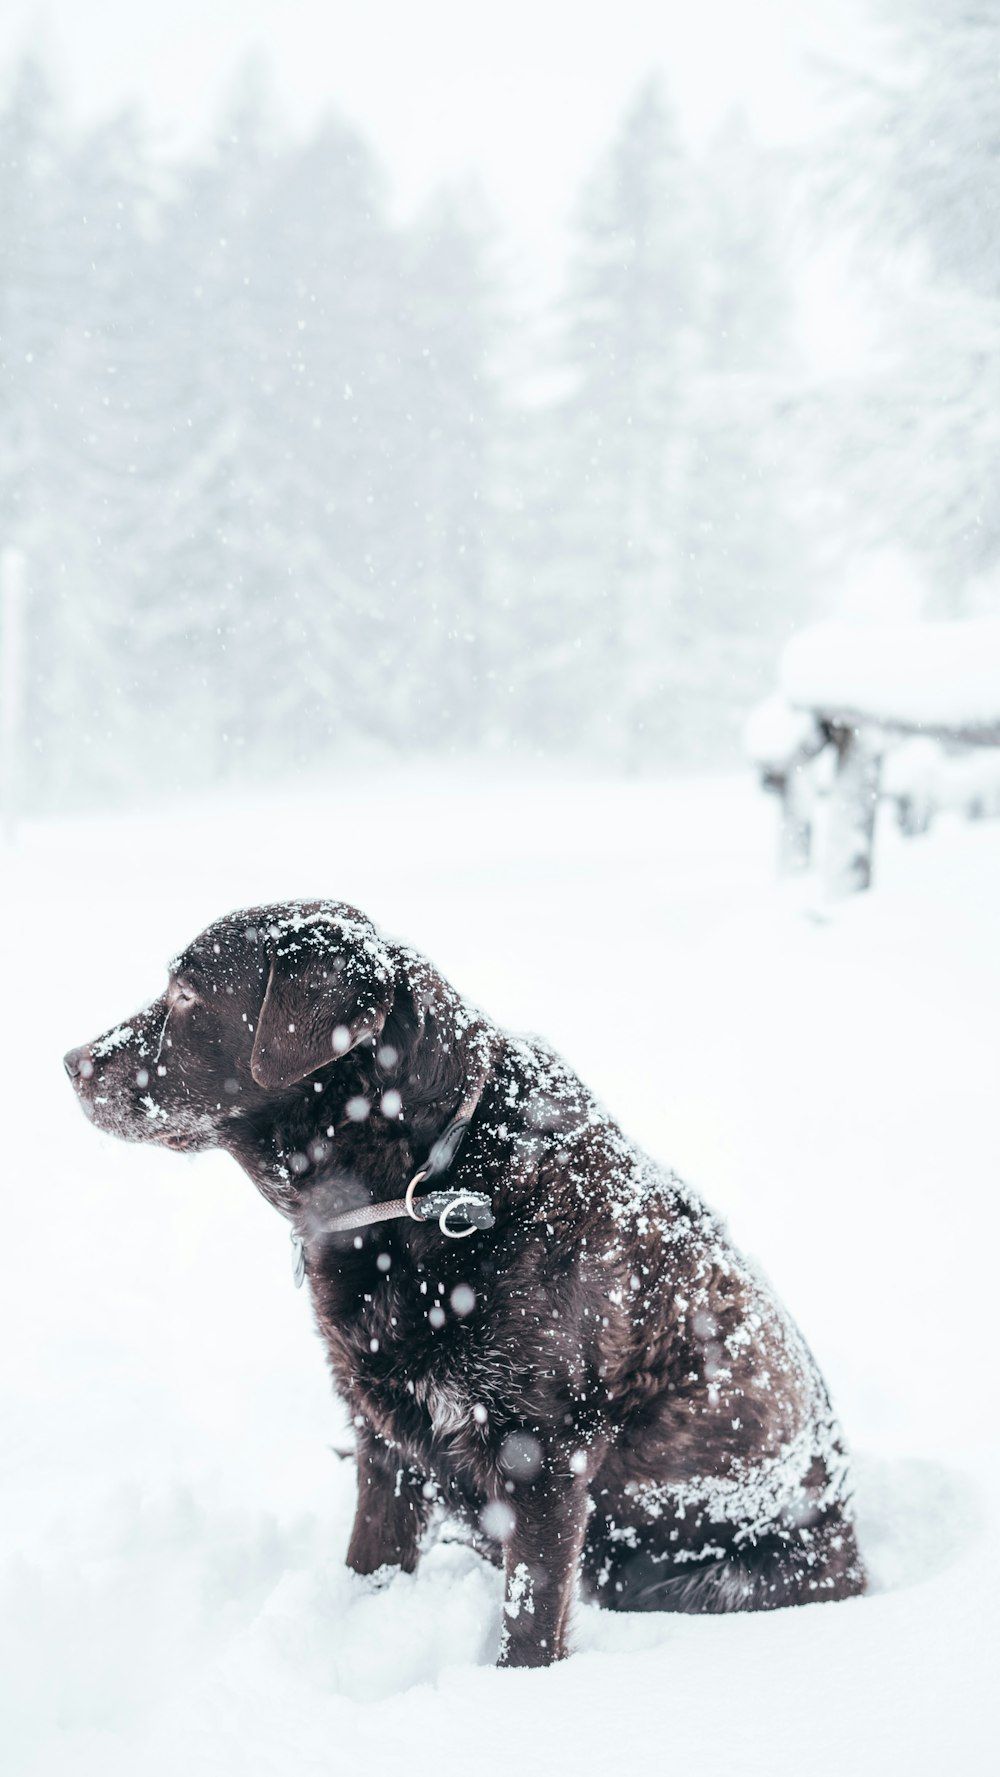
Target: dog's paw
{"points": [[379, 1578]]}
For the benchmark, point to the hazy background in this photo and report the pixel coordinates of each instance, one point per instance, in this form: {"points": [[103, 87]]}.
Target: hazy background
{"points": [[384, 380], [422, 425]]}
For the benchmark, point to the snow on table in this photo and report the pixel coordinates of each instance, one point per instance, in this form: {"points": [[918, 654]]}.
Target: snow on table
{"points": [[775, 734], [915, 675]]}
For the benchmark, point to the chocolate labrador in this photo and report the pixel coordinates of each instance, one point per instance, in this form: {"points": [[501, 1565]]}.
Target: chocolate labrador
{"points": [[537, 1329]]}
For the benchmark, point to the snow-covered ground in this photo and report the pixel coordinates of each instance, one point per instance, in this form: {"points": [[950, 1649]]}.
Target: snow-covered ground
{"points": [[172, 1595]]}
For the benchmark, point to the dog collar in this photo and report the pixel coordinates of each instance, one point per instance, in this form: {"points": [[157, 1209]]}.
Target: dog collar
{"points": [[474, 1208]]}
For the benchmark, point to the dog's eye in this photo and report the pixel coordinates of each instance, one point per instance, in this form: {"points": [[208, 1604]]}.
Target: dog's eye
{"points": [[181, 994]]}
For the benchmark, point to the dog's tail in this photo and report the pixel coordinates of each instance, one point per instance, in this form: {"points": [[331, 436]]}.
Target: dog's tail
{"points": [[822, 1563]]}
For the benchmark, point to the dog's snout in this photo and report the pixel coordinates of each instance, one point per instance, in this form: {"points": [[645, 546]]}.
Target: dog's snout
{"points": [[79, 1063]]}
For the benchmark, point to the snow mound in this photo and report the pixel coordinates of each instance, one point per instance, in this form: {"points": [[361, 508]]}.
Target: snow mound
{"points": [[923, 768], [924, 674], [264, 1652], [915, 1518], [775, 733]]}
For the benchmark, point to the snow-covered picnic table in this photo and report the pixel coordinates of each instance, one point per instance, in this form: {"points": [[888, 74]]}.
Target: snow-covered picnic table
{"points": [[854, 691], [940, 678]]}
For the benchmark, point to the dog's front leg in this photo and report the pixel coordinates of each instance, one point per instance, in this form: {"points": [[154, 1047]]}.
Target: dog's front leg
{"points": [[392, 1510], [540, 1561]]}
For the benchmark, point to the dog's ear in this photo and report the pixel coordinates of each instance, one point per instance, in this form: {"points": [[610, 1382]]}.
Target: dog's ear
{"points": [[331, 985]]}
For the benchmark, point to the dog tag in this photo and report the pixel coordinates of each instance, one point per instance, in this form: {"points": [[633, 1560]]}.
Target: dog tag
{"points": [[298, 1260]]}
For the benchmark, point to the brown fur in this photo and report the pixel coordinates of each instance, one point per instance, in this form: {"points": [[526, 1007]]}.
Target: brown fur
{"points": [[598, 1386]]}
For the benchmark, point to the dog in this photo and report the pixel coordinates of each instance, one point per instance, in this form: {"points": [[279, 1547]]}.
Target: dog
{"points": [[537, 1330]]}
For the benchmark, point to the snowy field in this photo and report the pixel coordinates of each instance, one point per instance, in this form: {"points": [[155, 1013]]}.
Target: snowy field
{"points": [[174, 1518]]}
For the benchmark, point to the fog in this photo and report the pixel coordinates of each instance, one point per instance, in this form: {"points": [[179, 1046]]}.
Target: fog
{"points": [[501, 469], [316, 451]]}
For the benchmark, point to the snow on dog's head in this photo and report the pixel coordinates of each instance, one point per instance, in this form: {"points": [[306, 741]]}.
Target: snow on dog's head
{"points": [[259, 1001]]}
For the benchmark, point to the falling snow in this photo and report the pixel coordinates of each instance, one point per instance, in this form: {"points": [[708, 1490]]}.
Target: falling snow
{"points": [[177, 1592]]}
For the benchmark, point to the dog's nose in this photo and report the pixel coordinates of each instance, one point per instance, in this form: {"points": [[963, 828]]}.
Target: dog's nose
{"points": [[79, 1063]]}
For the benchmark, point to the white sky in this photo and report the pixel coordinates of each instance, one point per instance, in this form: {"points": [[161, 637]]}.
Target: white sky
{"points": [[521, 95]]}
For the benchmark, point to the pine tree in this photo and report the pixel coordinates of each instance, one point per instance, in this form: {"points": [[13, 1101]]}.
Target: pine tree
{"points": [[914, 445], [929, 122], [631, 311], [82, 466], [742, 586], [224, 562], [445, 465]]}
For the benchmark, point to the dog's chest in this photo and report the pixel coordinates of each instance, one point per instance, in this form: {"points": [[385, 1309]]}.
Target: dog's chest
{"points": [[445, 1401], [430, 1405], [418, 1370]]}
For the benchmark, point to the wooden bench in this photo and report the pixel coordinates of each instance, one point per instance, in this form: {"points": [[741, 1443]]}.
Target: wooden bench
{"points": [[849, 695]]}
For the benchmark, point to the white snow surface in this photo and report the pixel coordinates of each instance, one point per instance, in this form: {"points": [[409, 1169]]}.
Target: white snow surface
{"points": [[172, 1589], [774, 733], [924, 673]]}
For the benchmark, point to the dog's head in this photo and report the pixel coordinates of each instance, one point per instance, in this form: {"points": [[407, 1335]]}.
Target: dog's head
{"points": [[253, 1006]]}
